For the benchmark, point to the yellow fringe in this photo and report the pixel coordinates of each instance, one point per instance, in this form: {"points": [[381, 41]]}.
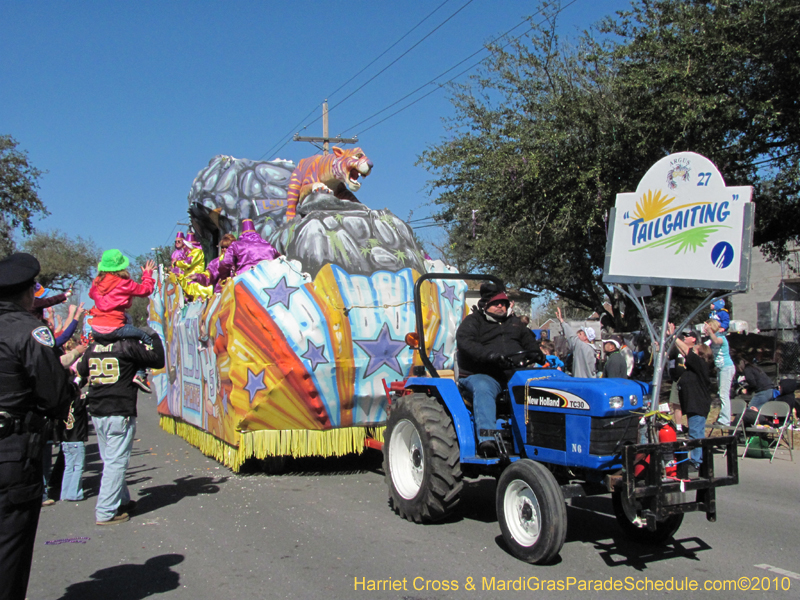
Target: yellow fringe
{"points": [[297, 443]]}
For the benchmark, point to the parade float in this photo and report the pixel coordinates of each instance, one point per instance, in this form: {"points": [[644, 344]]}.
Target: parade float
{"points": [[292, 357]]}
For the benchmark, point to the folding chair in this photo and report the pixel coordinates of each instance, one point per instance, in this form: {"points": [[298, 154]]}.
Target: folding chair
{"points": [[738, 406], [771, 410]]}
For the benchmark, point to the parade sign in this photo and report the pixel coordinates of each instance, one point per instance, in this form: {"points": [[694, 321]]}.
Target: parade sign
{"points": [[682, 227]]}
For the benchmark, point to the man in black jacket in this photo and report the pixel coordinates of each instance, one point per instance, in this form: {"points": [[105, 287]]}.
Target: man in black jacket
{"points": [[33, 385], [109, 365], [485, 339]]}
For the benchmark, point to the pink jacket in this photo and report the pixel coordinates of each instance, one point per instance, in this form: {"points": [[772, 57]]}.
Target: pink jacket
{"points": [[113, 296]]}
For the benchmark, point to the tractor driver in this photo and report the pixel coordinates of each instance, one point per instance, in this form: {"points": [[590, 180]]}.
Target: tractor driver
{"points": [[485, 339]]}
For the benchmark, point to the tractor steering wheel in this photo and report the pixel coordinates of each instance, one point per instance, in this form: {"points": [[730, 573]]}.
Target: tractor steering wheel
{"points": [[523, 358]]}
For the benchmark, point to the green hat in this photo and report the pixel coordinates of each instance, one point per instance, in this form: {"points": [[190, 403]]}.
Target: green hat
{"points": [[113, 260]]}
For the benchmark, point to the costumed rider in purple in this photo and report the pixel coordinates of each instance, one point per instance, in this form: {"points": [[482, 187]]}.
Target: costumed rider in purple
{"points": [[180, 253], [246, 252], [486, 340]]}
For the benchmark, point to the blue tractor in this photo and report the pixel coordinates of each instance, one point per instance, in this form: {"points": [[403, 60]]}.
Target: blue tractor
{"points": [[559, 437]]}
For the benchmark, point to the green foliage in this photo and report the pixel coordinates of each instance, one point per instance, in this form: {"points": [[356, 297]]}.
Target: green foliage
{"points": [[139, 310], [545, 137], [65, 261], [19, 199]]}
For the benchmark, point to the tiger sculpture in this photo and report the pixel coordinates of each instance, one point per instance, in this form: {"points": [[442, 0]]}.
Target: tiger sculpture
{"points": [[335, 173]]}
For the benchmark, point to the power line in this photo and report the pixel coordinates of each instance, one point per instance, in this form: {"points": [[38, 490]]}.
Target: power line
{"points": [[434, 30], [291, 132], [441, 85], [389, 48], [343, 100], [295, 128]]}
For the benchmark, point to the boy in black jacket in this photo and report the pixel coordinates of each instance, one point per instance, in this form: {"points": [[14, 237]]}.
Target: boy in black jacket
{"points": [[74, 434]]}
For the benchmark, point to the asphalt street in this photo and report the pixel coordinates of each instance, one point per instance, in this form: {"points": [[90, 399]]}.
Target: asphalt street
{"points": [[325, 530]]}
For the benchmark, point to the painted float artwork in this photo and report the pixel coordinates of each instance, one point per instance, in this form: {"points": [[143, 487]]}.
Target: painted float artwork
{"points": [[290, 359]]}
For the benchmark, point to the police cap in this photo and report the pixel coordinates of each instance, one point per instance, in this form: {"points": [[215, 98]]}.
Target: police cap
{"points": [[17, 273]]}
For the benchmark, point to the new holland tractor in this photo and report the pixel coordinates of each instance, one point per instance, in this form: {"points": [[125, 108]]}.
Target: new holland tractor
{"points": [[558, 437]]}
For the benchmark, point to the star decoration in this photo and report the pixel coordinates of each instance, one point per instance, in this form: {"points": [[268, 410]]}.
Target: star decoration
{"points": [[280, 293], [315, 355], [225, 400], [438, 359], [449, 293], [255, 383], [382, 351]]}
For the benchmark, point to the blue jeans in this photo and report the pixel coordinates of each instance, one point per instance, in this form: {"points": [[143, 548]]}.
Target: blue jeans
{"points": [[484, 390], [127, 331], [761, 398], [47, 467], [697, 431], [74, 457], [725, 380], [115, 440]]}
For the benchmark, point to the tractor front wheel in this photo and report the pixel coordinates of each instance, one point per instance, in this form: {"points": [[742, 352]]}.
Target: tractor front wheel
{"points": [[531, 512]]}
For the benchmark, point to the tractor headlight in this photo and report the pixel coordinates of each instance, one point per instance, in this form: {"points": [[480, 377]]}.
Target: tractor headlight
{"points": [[616, 402], [634, 400]]}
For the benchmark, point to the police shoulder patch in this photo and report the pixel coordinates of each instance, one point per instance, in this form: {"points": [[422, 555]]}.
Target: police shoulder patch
{"points": [[44, 336]]}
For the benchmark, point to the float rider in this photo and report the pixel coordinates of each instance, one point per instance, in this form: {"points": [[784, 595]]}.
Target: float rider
{"points": [[485, 339]]}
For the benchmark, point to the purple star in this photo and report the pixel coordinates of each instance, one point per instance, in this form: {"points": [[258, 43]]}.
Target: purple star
{"points": [[315, 355], [382, 351], [449, 293], [255, 383], [218, 327], [280, 293], [225, 400], [438, 359]]}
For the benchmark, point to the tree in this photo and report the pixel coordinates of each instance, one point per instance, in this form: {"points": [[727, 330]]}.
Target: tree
{"points": [[140, 307], [549, 133], [65, 261], [19, 199], [721, 79]]}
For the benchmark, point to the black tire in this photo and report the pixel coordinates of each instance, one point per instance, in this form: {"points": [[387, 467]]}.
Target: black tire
{"points": [[421, 459], [637, 531], [531, 512]]}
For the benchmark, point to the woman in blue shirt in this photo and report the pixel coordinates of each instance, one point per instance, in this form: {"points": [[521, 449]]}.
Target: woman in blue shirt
{"points": [[725, 368]]}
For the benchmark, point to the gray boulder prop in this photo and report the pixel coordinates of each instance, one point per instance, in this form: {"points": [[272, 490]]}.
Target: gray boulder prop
{"points": [[326, 229], [360, 241], [240, 188]]}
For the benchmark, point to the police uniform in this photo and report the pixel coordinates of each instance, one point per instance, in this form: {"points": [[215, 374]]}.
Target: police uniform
{"points": [[33, 386]]}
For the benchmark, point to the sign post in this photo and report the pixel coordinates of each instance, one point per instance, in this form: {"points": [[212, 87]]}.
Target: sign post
{"points": [[682, 227]]}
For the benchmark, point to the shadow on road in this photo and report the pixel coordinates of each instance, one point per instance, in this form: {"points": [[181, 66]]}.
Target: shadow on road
{"points": [[591, 520], [159, 496], [369, 461], [129, 582]]}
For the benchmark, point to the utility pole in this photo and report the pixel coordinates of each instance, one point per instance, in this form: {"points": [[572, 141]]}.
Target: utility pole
{"points": [[325, 139]]}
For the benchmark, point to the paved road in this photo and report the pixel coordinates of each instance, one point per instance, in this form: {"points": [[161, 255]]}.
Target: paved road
{"points": [[202, 532]]}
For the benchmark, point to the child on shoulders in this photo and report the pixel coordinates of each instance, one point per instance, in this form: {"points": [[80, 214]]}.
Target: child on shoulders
{"points": [[113, 291]]}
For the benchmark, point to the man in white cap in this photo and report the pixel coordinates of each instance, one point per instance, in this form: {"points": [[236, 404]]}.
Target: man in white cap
{"points": [[584, 358], [616, 365]]}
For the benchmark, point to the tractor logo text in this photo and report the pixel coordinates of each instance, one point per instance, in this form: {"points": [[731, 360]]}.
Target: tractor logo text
{"points": [[550, 399]]}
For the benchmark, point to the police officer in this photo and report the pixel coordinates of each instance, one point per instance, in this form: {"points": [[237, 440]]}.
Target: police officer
{"points": [[33, 386]]}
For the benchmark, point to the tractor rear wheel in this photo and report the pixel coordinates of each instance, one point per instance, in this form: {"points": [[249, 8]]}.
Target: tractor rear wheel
{"points": [[531, 512], [421, 459], [635, 527]]}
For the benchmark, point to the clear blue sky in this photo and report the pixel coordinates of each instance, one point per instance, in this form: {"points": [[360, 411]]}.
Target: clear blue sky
{"points": [[124, 102]]}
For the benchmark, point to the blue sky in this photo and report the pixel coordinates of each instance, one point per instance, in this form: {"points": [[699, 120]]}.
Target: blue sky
{"points": [[124, 102]]}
